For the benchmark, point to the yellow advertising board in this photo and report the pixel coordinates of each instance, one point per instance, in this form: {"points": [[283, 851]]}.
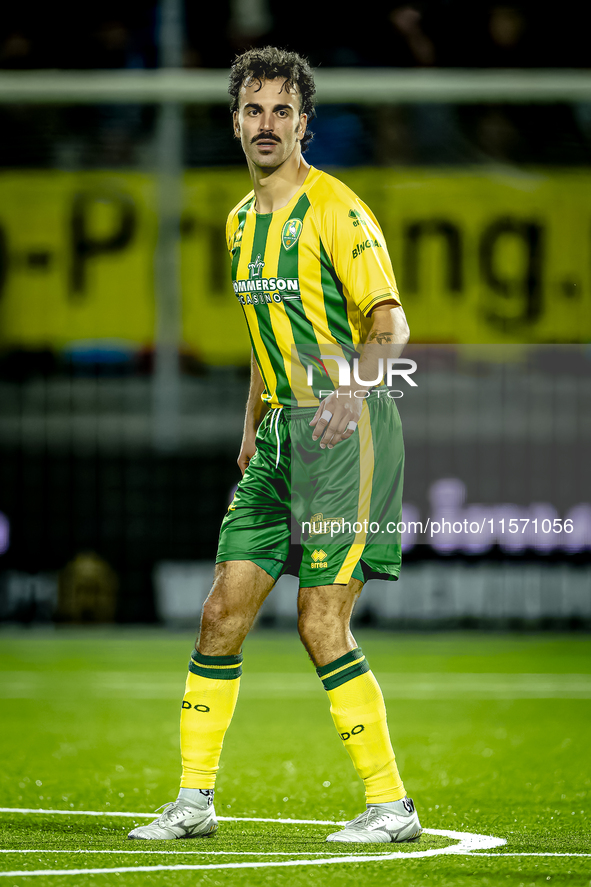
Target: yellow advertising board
{"points": [[480, 256]]}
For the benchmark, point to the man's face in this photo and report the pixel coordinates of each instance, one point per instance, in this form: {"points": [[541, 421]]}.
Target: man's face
{"points": [[268, 122]]}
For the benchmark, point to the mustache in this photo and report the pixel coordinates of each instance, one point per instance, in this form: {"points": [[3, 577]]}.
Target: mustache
{"points": [[265, 137]]}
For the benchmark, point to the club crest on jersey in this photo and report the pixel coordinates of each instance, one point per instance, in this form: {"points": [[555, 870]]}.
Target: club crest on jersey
{"points": [[320, 525], [291, 232]]}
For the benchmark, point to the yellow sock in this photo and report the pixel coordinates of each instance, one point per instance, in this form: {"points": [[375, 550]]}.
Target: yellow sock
{"points": [[358, 711], [210, 698]]}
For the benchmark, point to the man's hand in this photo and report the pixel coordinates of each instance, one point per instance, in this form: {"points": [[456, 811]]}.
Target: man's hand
{"points": [[337, 416], [247, 451]]}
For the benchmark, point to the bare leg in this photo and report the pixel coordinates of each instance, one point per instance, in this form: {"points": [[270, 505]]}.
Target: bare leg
{"points": [[211, 691], [356, 701], [324, 617], [238, 592]]}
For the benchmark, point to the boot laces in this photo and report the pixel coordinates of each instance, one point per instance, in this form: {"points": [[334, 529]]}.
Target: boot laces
{"points": [[171, 810], [370, 818]]}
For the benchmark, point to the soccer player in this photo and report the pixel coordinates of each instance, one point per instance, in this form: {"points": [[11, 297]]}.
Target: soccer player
{"points": [[321, 450]]}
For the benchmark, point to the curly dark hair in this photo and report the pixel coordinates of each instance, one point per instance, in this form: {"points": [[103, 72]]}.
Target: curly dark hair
{"points": [[267, 64]]}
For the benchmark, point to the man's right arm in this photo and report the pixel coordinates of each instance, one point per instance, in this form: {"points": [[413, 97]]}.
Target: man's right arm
{"points": [[255, 412]]}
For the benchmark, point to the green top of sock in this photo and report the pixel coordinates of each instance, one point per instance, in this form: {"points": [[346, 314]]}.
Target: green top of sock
{"points": [[351, 656]]}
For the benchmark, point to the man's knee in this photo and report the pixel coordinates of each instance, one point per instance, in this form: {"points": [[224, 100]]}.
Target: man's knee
{"points": [[225, 605], [224, 625], [325, 611], [215, 608], [238, 590]]}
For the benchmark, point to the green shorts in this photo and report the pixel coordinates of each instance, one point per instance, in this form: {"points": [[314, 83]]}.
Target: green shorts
{"points": [[323, 515]]}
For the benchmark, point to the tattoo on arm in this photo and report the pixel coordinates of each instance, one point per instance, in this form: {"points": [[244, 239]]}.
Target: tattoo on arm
{"points": [[382, 338]]}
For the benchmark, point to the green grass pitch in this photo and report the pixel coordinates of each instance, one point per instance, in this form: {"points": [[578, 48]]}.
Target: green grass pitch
{"points": [[492, 735]]}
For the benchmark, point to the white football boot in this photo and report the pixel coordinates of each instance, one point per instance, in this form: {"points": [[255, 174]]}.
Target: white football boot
{"points": [[395, 822], [180, 819]]}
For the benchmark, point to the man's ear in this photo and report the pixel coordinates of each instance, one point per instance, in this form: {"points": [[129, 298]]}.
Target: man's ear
{"points": [[236, 124], [301, 130]]}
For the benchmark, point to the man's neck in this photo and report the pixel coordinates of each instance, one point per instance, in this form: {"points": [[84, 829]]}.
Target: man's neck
{"points": [[274, 188]]}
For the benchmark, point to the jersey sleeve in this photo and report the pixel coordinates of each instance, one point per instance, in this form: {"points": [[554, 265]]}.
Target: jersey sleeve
{"points": [[359, 254], [231, 225], [234, 225]]}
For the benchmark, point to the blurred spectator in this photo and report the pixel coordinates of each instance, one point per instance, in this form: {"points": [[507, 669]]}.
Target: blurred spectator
{"points": [[413, 47], [250, 22], [16, 50], [496, 135], [508, 42], [506, 26]]}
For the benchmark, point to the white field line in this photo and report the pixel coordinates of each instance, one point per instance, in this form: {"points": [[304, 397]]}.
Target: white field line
{"points": [[478, 855], [470, 840], [288, 863], [151, 815], [468, 843]]}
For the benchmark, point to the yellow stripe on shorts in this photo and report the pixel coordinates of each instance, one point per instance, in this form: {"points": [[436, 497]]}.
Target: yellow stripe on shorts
{"points": [[366, 468]]}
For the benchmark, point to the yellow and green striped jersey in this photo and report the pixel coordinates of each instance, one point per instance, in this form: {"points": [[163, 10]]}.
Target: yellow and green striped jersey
{"points": [[307, 277]]}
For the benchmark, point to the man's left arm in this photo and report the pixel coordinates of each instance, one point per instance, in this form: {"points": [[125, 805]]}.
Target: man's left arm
{"points": [[337, 416]]}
